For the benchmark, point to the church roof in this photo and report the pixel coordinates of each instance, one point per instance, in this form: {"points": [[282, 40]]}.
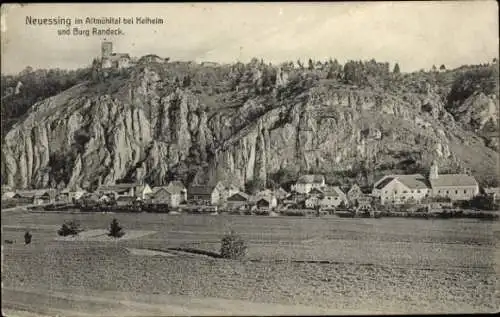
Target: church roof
{"points": [[412, 181], [453, 180]]}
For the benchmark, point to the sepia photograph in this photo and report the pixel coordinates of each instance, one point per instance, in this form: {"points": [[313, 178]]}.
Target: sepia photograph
{"points": [[224, 159]]}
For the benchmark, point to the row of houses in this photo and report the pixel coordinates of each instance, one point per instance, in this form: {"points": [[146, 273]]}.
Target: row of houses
{"points": [[309, 191]]}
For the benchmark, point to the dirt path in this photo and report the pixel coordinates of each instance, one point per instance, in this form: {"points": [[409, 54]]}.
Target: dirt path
{"points": [[79, 303]]}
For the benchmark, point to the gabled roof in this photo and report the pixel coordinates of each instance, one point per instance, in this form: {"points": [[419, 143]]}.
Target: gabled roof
{"points": [[126, 198], [354, 188], [117, 187], [315, 191], [201, 190], [412, 181], [450, 180], [238, 197], [311, 179], [384, 182], [176, 187], [35, 193]]}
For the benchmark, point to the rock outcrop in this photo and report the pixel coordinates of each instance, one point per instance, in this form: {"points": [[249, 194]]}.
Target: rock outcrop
{"points": [[145, 128]]}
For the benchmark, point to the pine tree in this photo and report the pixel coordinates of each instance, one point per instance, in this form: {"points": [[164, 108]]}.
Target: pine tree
{"points": [[396, 69], [115, 230], [311, 64]]}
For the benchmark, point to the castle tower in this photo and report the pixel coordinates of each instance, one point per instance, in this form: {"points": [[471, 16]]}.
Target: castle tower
{"points": [[106, 49], [433, 173]]}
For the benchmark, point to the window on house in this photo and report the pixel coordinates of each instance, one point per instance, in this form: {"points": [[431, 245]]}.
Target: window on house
{"points": [[418, 191], [405, 191], [447, 192], [395, 192], [456, 191], [465, 191]]}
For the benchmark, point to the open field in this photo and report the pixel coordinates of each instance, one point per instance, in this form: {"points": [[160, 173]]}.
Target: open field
{"points": [[326, 265]]}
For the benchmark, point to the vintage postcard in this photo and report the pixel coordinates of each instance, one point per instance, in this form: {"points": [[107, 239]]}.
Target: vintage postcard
{"points": [[250, 158]]}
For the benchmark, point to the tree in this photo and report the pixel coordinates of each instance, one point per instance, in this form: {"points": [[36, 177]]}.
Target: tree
{"points": [[442, 67], [299, 63], [434, 68], [233, 246], [115, 230], [27, 237], [396, 69], [311, 64], [69, 228]]}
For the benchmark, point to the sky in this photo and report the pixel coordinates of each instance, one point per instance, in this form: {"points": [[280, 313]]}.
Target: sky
{"points": [[414, 34]]}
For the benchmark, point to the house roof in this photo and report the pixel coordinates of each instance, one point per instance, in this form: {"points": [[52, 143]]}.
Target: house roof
{"points": [[126, 198], [311, 179], [175, 187], [238, 197], [315, 190], [453, 180], [117, 187], [384, 182], [201, 189], [333, 191], [354, 188], [413, 181], [492, 190], [35, 193]]}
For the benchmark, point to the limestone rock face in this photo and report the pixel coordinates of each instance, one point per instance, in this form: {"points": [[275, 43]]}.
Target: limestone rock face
{"points": [[145, 129]]}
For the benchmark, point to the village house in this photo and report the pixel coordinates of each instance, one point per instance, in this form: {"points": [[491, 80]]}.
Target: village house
{"points": [[7, 194], [125, 201], [171, 195], [354, 193], [237, 201], [126, 189], [70, 195], [179, 188], [401, 189], [36, 196], [205, 194], [364, 203], [266, 203], [312, 202], [268, 194], [332, 198], [307, 182], [493, 192]]}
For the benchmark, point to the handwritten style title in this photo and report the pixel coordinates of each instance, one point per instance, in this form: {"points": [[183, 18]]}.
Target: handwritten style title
{"points": [[78, 22]]}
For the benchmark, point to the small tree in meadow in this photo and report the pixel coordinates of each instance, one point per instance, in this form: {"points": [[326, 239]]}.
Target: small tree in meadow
{"points": [[115, 230], [70, 228], [27, 237], [233, 246]]}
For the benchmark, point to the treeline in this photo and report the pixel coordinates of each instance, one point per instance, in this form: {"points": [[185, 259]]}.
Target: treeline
{"points": [[19, 92]]}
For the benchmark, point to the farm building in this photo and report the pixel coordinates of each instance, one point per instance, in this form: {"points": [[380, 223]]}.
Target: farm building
{"points": [[37, 196], [401, 189], [178, 187], [166, 195], [315, 192], [205, 194], [265, 194], [493, 192], [332, 197], [266, 203], [125, 201], [354, 193], [307, 182], [70, 195], [237, 201], [8, 195], [312, 202], [126, 189]]}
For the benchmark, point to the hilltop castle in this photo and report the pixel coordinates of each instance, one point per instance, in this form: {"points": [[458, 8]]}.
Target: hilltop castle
{"points": [[113, 60]]}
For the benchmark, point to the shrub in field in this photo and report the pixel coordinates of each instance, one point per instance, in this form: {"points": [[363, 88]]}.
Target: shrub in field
{"points": [[27, 237], [115, 230], [233, 246], [69, 228]]}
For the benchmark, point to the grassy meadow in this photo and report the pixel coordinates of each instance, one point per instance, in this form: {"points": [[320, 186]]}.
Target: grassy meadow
{"points": [[337, 264]]}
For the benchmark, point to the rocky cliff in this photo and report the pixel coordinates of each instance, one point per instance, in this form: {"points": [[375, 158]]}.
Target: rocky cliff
{"points": [[145, 125]]}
